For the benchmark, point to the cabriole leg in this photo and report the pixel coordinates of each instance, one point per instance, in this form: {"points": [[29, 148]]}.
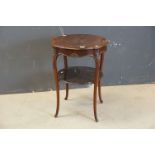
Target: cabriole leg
{"points": [[99, 81], [67, 84], [56, 83], [97, 70]]}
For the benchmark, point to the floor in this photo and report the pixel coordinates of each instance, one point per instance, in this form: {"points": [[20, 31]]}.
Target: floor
{"points": [[131, 106]]}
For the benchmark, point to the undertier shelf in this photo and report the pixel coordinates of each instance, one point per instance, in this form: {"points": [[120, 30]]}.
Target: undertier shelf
{"points": [[78, 74]]}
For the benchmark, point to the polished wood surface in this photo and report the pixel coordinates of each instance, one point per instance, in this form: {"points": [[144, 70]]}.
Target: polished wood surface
{"points": [[55, 70], [99, 81], [65, 76], [79, 41], [78, 74], [78, 45]]}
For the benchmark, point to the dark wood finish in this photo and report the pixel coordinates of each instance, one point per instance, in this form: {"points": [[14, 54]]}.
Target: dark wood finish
{"points": [[67, 91], [79, 41], [78, 74], [67, 85], [78, 45], [99, 81], [57, 83], [97, 65]]}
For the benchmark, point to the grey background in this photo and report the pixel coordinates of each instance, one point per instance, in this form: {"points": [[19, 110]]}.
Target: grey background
{"points": [[25, 56]]}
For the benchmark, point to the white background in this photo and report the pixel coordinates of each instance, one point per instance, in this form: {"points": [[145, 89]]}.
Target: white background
{"points": [[77, 13]]}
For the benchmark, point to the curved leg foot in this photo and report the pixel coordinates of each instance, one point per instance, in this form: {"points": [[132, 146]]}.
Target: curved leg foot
{"points": [[96, 81], [58, 104], [67, 90], [56, 84], [94, 102]]}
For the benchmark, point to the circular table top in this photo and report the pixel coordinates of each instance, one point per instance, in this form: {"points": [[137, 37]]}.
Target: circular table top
{"points": [[79, 42]]}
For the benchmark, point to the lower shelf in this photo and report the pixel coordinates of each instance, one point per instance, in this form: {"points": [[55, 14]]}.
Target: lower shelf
{"points": [[78, 74]]}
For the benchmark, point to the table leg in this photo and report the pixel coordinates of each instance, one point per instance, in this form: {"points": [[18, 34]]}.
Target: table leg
{"points": [[99, 81], [97, 70], [67, 84], [67, 90], [55, 70]]}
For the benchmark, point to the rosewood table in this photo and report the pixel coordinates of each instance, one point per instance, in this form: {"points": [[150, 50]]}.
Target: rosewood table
{"points": [[79, 45]]}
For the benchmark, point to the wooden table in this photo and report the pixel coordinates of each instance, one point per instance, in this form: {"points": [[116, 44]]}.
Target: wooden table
{"points": [[79, 45]]}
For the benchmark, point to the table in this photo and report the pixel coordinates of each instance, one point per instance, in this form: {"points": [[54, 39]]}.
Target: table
{"points": [[79, 45]]}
